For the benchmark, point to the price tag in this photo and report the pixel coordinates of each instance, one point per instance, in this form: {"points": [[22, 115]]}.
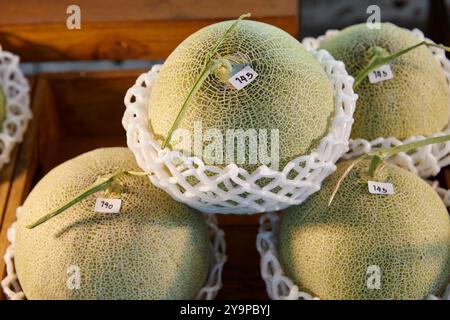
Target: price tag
{"points": [[243, 78], [103, 205], [380, 187], [380, 74]]}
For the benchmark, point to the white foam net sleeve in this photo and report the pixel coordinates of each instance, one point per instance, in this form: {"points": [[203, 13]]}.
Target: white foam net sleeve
{"points": [[426, 161], [214, 282], [12, 290], [278, 285], [173, 170], [16, 90]]}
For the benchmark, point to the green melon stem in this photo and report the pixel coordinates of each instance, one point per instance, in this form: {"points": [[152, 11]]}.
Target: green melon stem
{"points": [[96, 187], [379, 58], [208, 66], [379, 156], [382, 154]]}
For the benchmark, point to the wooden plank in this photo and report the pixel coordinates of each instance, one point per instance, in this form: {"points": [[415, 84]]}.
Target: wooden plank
{"points": [[153, 40], [24, 171], [54, 11], [48, 135], [6, 177], [101, 96], [7, 172]]}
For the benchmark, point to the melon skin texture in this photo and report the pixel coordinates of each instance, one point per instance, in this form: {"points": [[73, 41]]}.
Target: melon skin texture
{"points": [[2, 107], [328, 251], [415, 102], [291, 92], [155, 248]]}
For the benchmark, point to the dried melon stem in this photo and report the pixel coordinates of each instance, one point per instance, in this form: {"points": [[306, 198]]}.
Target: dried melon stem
{"points": [[219, 66], [222, 69], [115, 189], [379, 156], [380, 56]]}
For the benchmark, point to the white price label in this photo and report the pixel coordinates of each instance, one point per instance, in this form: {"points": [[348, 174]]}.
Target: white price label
{"points": [[382, 73], [104, 205], [380, 187], [243, 78]]}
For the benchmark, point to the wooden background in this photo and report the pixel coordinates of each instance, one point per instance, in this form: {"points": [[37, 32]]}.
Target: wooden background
{"points": [[71, 118], [116, 30]]}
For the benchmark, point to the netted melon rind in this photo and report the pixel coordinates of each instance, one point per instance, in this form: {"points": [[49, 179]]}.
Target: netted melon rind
{"points": [[326, 249], [16, 90], [426, 161], [278, 285], [416, 101], [155, 248], [232, 190], [291, 94], [12, 290]]}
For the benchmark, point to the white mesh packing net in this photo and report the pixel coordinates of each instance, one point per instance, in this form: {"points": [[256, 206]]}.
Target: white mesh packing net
{"points": [[426, 161], [11, 286], [232, 189], [278, 285], [16, 90]]}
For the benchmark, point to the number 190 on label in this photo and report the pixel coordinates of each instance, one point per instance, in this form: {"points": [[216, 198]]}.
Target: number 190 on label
{"points": [[104, 205]]}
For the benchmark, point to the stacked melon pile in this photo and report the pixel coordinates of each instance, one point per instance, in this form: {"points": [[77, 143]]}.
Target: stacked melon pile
{"points": [[157, 248]]}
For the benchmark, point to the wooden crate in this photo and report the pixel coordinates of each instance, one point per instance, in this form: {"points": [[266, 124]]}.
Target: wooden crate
{"points": [[69, 119]]}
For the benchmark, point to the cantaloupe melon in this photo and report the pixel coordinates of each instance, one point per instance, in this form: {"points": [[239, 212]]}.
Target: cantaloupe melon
{"points": [[336, 251], [2, 107], [415, 102], [155, 248], [291, 93]]}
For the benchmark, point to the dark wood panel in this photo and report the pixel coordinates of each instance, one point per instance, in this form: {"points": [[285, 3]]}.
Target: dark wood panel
{"points": [[54, 11], [123, 31], [107, 41], [7, 172], [6, 175], [19, 184], [241, 275]]}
